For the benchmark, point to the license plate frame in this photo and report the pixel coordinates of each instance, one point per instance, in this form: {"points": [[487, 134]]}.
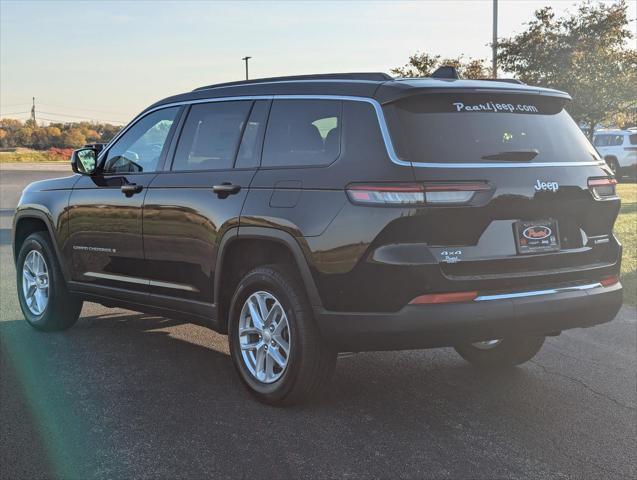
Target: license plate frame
{"points": [[529, 239]]}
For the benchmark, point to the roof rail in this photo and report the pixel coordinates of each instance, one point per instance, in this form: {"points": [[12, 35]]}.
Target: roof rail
{"points": [[363, 76]]}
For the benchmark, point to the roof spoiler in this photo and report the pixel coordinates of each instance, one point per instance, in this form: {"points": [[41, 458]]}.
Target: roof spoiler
{"points": [[450, 72]]}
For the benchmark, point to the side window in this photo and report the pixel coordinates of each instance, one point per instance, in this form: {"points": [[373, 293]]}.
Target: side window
{"points": [[140, 148], [633, 139], [303, 133], [618, 140], [250, 150], [211, 135]]}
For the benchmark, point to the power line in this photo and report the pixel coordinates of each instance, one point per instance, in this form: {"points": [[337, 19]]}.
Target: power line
{"points": [[14, 105], [12, 113], [81, 117], [80, 108]]}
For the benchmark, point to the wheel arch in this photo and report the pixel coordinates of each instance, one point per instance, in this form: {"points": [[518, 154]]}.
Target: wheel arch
{"points": [[29, 221], [283, 247]]}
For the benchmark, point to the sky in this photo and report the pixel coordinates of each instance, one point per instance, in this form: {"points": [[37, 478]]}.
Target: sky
{"points": [[108, 60]]}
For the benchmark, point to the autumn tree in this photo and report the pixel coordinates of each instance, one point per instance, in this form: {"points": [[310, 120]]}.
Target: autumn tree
{"points": [[424, 64], [587, 53]]}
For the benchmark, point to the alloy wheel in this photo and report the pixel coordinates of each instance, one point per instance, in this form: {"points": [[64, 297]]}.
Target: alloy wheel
{"points": [[35, 282], [264, 337]]}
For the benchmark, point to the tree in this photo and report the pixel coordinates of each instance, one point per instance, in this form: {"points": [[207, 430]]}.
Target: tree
{"points": [[73, 138], [423, 65], [585, 53], [14, 133]]}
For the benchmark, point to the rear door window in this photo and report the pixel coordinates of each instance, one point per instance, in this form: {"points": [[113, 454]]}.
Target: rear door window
{"points": [[210, 137], [485, 128], [303, 133], [633, 139]]}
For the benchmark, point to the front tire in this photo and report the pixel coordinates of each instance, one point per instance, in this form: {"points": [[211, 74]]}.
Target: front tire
{"points": [[501, 353], [44, 300], [274, 342]]}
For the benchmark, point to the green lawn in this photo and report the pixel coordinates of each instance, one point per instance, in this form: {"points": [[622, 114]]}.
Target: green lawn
{"points": [[626, 231]]}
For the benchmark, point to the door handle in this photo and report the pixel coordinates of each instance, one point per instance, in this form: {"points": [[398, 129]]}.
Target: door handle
{"points": [[131, 189], [226, 189]]}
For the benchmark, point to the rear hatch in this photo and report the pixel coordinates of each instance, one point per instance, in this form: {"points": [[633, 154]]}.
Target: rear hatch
{"points": [[513, 189]]}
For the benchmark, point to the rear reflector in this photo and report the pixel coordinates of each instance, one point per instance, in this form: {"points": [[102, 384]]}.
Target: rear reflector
{"points": [[444, 298], [415, 194], [602, 187], [608, 281]]}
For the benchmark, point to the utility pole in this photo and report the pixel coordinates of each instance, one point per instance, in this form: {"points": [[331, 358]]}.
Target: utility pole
{"points": [[494, 44], [33, 112], [245, 59]]}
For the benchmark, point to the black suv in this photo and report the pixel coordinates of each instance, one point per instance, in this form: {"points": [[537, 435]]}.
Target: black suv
{"points": [[306, 216]]}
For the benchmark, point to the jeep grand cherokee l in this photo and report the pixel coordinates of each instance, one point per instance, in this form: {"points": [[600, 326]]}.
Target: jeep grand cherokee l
{"points": [[306, 216]]}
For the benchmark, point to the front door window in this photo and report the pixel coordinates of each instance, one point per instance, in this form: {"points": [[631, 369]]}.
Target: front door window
{"points": [[141, 147]]}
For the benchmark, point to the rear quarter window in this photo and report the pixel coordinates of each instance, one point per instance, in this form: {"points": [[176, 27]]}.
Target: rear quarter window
{"points": [[303, 133]]}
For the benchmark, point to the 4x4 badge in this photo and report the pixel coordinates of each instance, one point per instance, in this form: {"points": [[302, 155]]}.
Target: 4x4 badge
{"points": [[552, 186]]}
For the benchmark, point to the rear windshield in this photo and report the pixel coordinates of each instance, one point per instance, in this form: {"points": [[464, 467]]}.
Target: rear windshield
{"points": [[485, 128]]}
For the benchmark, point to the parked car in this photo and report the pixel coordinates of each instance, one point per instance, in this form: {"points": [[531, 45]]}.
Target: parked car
{"points": [[619, 149], [306, 216]]}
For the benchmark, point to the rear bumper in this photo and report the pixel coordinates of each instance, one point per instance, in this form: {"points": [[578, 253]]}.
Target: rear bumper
{"points": [[437, 325]]}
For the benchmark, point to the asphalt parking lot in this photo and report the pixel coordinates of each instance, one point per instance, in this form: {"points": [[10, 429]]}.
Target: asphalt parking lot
{"points": [[127, 395]]}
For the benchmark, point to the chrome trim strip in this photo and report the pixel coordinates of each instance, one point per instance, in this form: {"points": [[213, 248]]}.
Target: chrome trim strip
{"points": [[117, 278], [389, 146], [176, 286], [140, 281], [535, 293]]}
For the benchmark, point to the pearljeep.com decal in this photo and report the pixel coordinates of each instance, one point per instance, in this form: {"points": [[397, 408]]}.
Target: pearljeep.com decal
{"points": [[495, 107]]}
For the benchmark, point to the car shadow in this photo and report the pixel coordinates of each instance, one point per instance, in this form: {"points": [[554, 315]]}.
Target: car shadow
{"points": [[132, 395]]}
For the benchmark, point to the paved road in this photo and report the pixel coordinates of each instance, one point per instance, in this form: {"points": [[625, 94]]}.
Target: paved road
{"points": [[125, 395]]}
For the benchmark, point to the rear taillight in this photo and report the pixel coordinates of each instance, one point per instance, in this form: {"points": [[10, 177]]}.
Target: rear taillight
{"points": [[450, 193], [387, 194], [602, 187], [415, 194]]}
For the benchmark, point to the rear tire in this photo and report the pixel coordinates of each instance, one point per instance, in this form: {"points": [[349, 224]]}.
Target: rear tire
{"points": [[308, 364], [614, 166], [44, 300], [508, 352]]}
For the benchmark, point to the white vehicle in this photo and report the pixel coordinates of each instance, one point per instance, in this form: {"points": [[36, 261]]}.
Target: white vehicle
{"points": [[619, 149]]}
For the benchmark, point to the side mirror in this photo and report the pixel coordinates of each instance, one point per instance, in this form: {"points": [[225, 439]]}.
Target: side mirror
{"points": [[84, 161]]}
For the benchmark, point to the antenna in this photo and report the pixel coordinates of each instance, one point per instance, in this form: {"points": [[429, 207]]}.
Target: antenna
{"points": [[446, 71]]}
